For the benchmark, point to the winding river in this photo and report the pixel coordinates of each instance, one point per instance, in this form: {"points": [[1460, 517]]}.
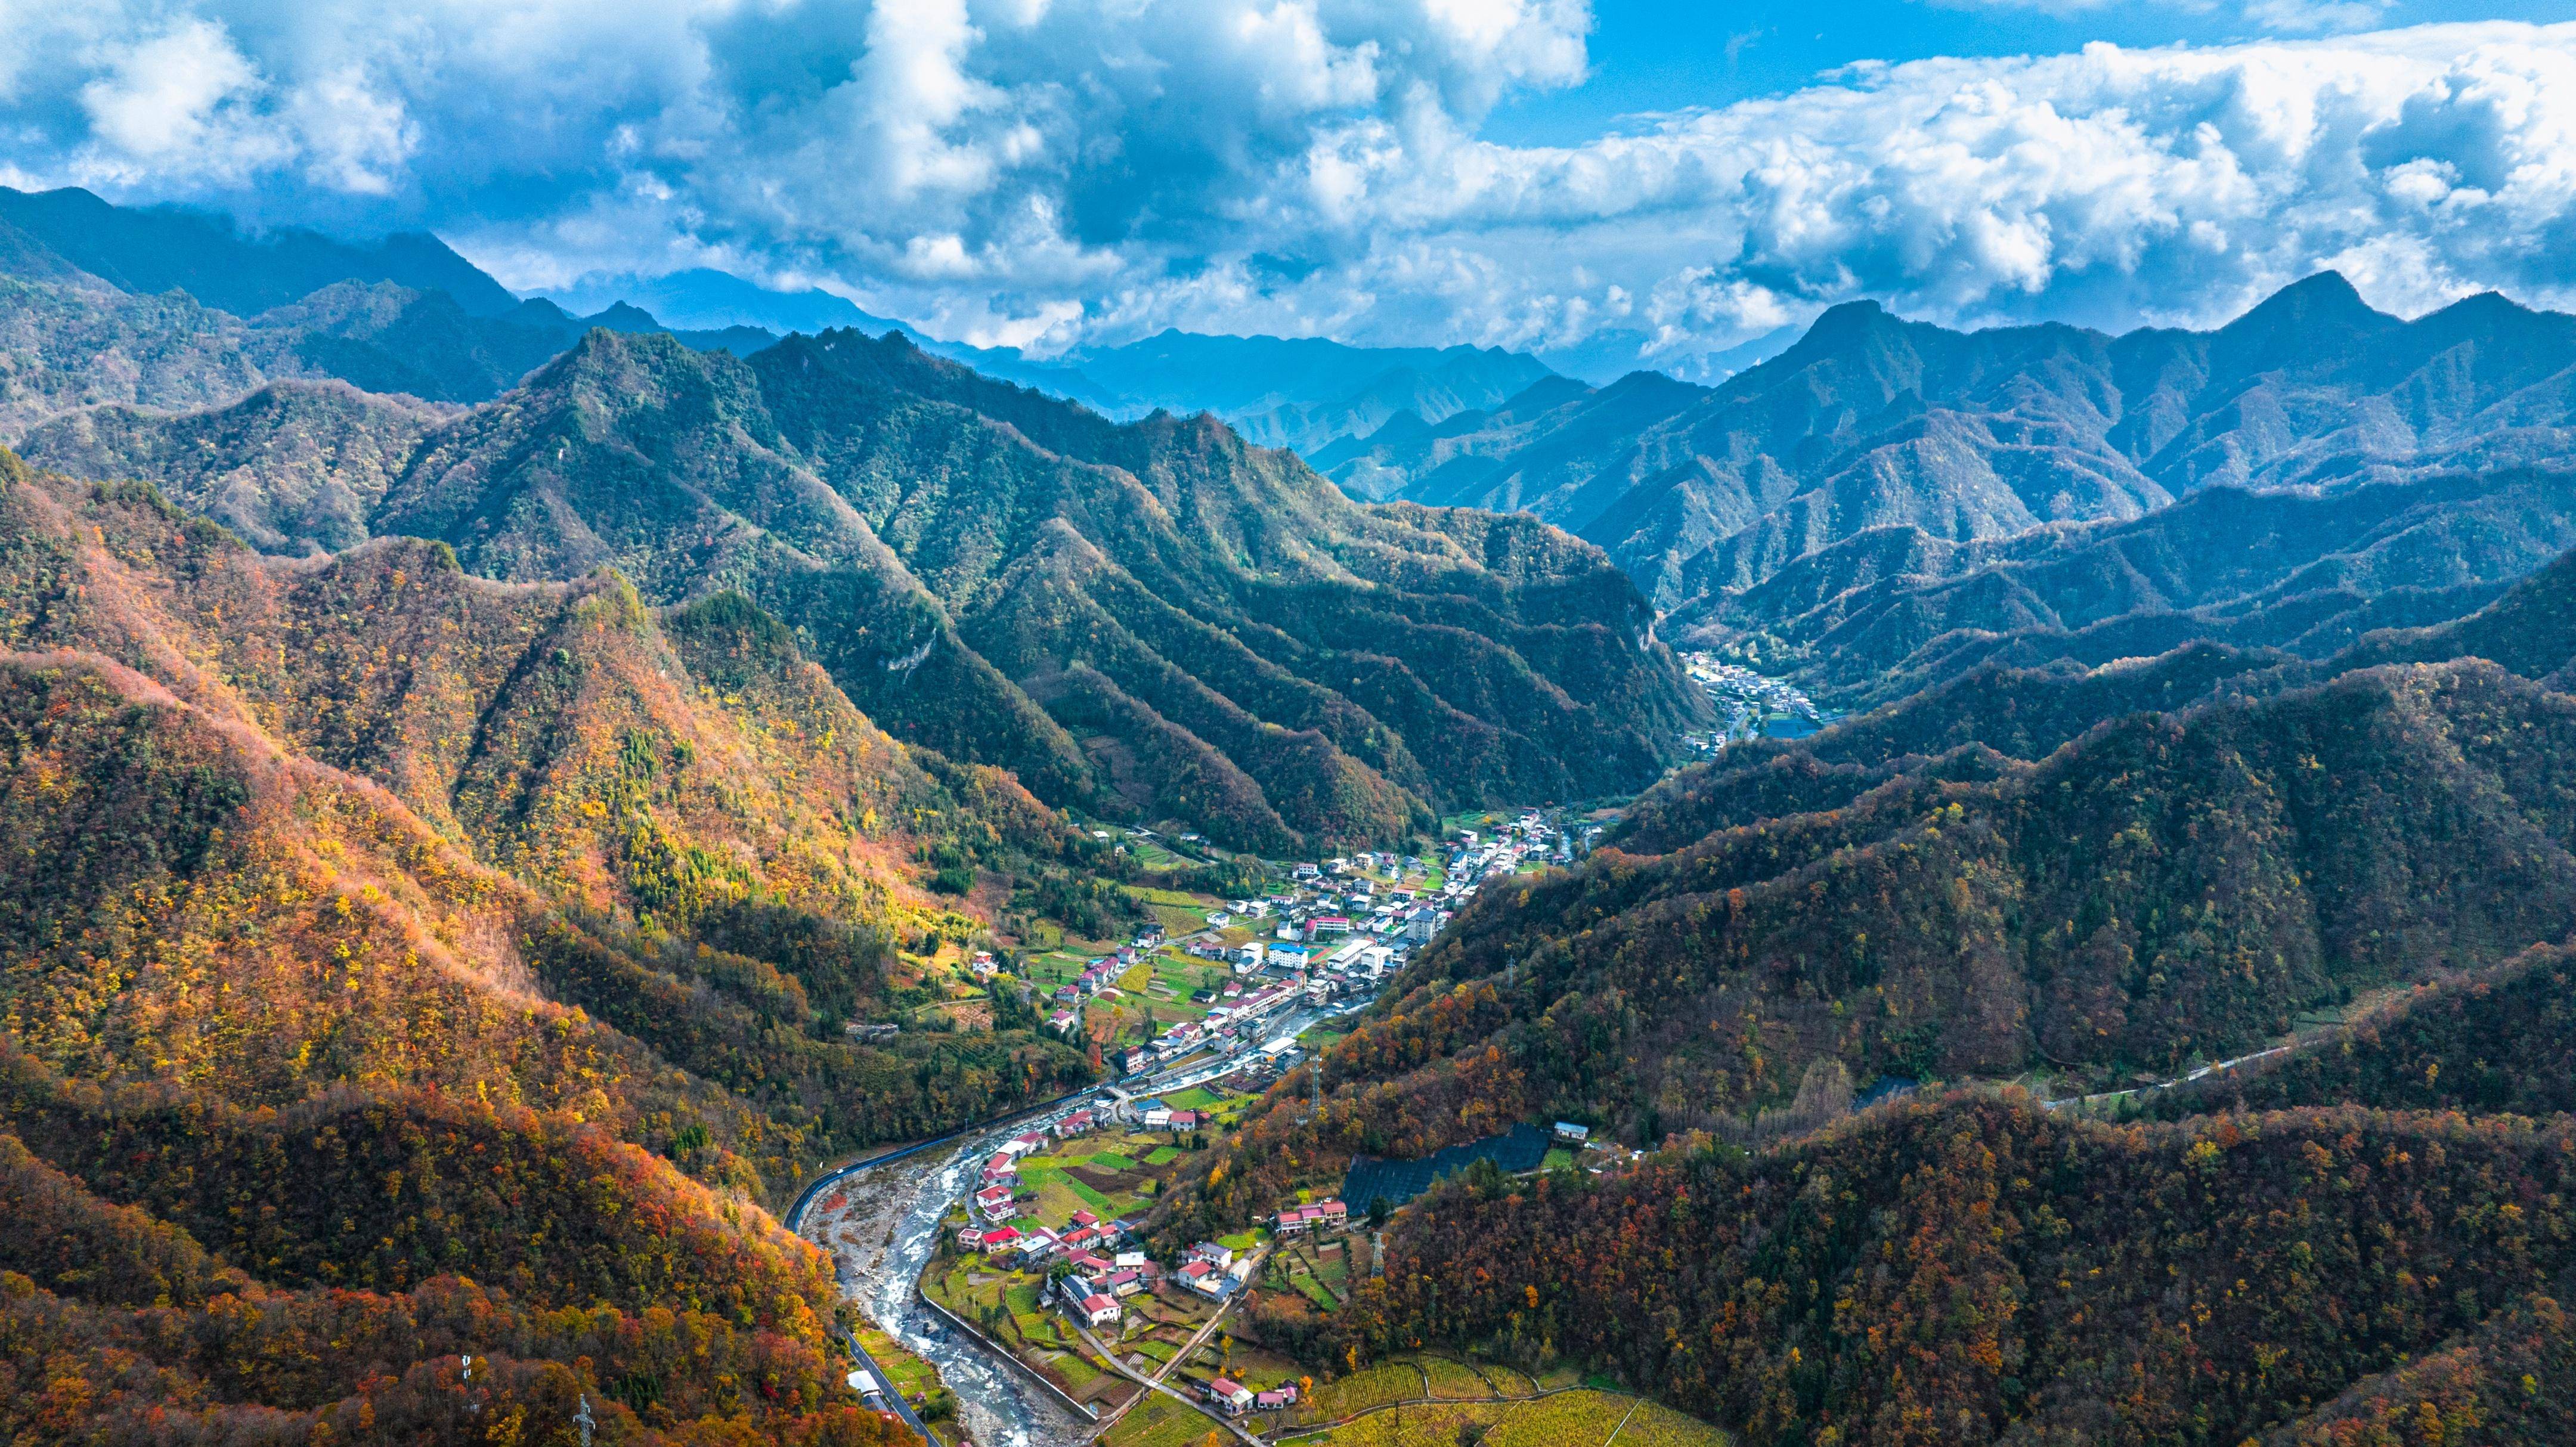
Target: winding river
{"points": [[881, 1223], [881, 1233]]}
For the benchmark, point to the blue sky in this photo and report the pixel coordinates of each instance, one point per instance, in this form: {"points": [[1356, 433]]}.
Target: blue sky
{"points": [[1611, 185], [1650, 57]]}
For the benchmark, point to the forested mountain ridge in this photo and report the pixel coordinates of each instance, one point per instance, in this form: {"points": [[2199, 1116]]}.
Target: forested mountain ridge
{"points": [[1151, 620], [2164, 887], [406, 314], [687, 770], [69, 344], [1993, 701], [1977, 1271], [2094, 876], [294, 467], [369, 926], [1892, 611], [1306, 393], [168, 309], [1872, 422]]}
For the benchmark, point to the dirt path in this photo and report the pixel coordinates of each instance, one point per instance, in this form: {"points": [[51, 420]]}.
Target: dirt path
{"points": [[1154, 1384]]}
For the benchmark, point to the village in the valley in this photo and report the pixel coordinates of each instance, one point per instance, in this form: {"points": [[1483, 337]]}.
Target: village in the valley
{"points": [[1754, 706], [1037, 1254]]}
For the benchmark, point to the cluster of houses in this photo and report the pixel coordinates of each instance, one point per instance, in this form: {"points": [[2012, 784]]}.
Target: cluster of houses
{"points": [[1337, 900], [1092, 1285], [1754, 706], [1475, 857], [1081, 1241], [1153, 1114], [996, 1199], [1097, 976], [1239, 1010]]}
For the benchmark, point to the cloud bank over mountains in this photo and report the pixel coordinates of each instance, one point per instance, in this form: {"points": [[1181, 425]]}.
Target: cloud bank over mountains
{"points": [[1033, 172]]}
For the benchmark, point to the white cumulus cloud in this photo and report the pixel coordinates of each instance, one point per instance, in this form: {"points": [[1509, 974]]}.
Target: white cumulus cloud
{"points": [[1041, 171]]}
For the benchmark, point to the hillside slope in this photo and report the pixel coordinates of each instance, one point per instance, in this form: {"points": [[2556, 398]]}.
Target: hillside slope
{"points": [[1884, 614], [1153, 621], [2166, 887], [395, 963], [733, 842], [1977, 1271]]}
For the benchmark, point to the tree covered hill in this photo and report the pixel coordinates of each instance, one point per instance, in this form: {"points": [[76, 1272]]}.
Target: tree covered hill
{"points": [[2026, 712], [388, 945], [294, 467], [2164, 886], [124, 1326], [405, 313], [2097, 875], [689, 771], [70, 343], [1150, 621], [1974, 1270], [1891, 612]]}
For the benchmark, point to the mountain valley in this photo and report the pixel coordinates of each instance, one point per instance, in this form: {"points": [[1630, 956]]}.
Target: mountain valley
{"points": [[567, 876]]}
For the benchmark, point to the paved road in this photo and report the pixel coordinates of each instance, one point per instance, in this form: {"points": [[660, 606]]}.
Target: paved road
{"points": [[1197, 1339], [2201, 1073], [1151, 1385], [893, 1397]]}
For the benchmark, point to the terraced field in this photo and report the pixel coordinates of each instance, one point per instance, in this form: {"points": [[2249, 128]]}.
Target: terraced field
{"points": [[1385, 1407], [1438, 1424], [1655, 1425], [1568, 1419], [1456, 1381], [1349, 1396]]}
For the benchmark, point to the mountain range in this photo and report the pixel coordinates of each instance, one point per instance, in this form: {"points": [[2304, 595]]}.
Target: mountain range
{"points": [[1892, 611], [1304, 393], [1870, 423], [1152, 621], [1870, 449], [402, 965], [474, 774], [2068, 882], [104, 305]]}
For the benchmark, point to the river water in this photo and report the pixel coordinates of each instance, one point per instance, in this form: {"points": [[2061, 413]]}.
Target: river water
{"points": [[881, 1225], [881, 1236]]}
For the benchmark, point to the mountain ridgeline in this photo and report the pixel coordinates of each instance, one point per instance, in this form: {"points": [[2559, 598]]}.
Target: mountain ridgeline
{"points": [[1940, 437], [1151, 621], [2083, 878], [1888, 613], [401, 964], [473, 775]]}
